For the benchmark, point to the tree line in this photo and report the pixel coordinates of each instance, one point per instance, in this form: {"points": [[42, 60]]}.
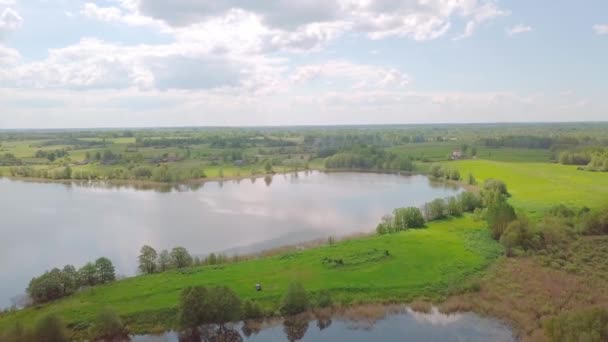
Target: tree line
{"points": [[438, 209], [58, 283]]}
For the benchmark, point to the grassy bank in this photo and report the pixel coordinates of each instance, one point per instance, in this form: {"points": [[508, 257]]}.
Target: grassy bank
{"points": [[429, 263]]}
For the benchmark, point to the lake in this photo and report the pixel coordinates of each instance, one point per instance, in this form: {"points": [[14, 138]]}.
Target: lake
{"points": [[402, 326], [46, 225]]}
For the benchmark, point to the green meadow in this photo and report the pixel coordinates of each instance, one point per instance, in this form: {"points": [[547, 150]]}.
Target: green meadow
{"points": [[537, 186], [430, 263]]}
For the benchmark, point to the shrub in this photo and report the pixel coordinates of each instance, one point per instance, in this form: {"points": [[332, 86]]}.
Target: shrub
{"points": [[324, 299], [499, 214], [519, 235], [252, 310], [222, 305], [435, 210], [405, 218], [470, 201], [17, 334], [455, 175], [454, 207], [386, 226], [595, 223], [471, 179], [50, 329], [191, 310], [296, 300], [495, 185], [587, 325], [108, 326]]}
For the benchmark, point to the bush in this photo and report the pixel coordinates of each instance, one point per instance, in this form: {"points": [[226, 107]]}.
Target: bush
{"points": [[50, 329], [17, 334], [495, 185], [455, 175], [588, 325], [499, 214], [324, 299], [222, 305], [470, 201], [108, 326], [519, 235], [296, 300], [454, 207], [191, 310], [252, 310], [435, 210], [405, 218], [595, 222]]}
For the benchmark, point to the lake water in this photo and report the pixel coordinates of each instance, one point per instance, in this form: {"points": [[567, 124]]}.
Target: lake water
{"points": [[45, 225], [399, 327]]}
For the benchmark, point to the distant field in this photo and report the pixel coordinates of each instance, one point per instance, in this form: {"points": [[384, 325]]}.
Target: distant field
{"points": [[429, 262], [439, 151], [537, 186]]}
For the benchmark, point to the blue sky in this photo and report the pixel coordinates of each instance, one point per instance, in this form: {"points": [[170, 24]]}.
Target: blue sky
{"points": [[117, 63]]}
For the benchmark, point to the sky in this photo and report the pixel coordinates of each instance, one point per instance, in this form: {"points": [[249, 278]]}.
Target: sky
{"points": [[144, 63]]}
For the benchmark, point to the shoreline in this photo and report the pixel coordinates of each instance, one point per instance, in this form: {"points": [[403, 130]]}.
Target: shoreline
{"points": [[151, 185]]}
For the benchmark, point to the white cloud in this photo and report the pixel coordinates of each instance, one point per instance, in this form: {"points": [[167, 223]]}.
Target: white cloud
{"points": [[517, 29], [300, 25], [601, 29], [10, 20], [8, 57], [91, 10]]}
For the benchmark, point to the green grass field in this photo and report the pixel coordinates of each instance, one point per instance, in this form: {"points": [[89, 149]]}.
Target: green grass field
{"points": [[428, 263], [537, 186]]}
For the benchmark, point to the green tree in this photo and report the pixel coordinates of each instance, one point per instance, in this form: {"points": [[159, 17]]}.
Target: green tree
{"points": [[455, 175], [252, 310], [454, 207], [164, 261], [191, 310], [180, 257], [471, 179], [268, 166], [296, 300], [406, 218], [435, 210], [69, 279], [222, 305], [147, 259], [499, 215], [469, 201], [108, 327], [50, 329], [88, 274], [105, 270]]}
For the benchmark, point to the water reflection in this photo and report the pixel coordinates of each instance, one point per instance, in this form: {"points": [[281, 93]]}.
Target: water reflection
{"points": [[54, 224], [397, 325]]}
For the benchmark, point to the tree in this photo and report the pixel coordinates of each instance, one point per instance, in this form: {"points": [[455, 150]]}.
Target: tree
{"points": [[435, 210], [454, 207], [69, 279], [180, 257], [50, 329], [406, 218], [164, 261], [222, 305], [47, 287], [471, 179], [252, 310], [268, 166], [147, 259], [105, 270], [191, 310], [386, 225], [88, 274], [108, 326], [499, 215], [296, 300], [455, 175], [469, 201]]}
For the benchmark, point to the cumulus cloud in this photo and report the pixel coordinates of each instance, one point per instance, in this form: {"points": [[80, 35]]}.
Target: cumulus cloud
{"points": [[308, 24], [341, 74], [10, 20], [600, 29], [8, 57], [517, 29]]}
